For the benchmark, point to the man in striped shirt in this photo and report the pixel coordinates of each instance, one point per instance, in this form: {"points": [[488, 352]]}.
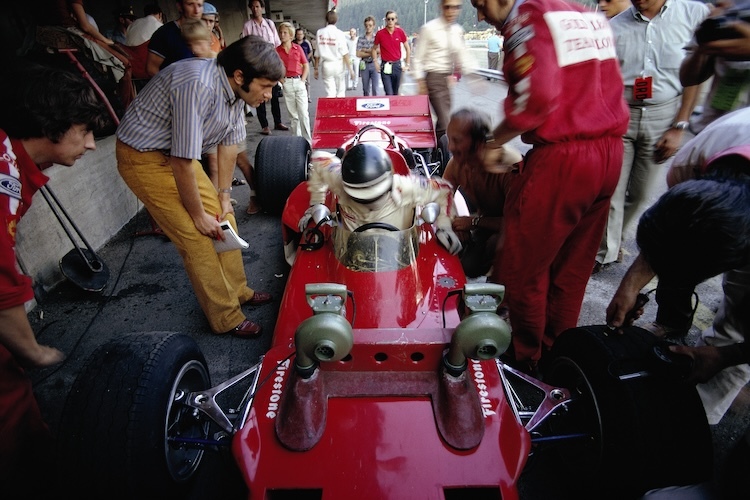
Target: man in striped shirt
{"points": [[187, 108]]}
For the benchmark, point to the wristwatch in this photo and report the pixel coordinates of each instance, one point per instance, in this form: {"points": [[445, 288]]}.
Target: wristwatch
{"points": [[681, 125]]}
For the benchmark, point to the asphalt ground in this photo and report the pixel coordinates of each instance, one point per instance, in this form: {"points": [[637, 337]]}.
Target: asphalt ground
{"points": [[149, 291]]}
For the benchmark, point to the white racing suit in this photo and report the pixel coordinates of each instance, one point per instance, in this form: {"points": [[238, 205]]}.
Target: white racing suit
{"points": [[395, 208]]}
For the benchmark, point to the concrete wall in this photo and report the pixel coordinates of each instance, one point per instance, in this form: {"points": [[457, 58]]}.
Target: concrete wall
{"points": [[94, 195]]}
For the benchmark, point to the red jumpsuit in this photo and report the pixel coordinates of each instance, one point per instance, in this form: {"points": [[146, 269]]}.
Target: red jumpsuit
{"points": [[565, 91], [22, 430]]}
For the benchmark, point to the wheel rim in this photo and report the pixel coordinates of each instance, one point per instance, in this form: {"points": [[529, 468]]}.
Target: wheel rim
{"points": [[181, 422], [581, 416]]}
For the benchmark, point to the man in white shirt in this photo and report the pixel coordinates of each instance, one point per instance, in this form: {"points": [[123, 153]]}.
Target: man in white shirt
{"points": [[351, 43], [141, 30], [332, 57], [440, 54]]}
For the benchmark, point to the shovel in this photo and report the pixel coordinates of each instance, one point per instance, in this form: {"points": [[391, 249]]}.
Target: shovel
{"points": [[82, 266]]}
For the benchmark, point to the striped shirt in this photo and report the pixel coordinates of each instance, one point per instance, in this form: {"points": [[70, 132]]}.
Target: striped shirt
{"points": [[186, 109], [364, 43]]}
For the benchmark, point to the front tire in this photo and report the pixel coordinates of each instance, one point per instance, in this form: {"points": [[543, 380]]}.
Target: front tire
{"points": [[648, 430], [122, 411], [280, 165]]}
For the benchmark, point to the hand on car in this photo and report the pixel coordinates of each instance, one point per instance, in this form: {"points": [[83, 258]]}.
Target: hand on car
{"points": [[620, 305], [707, 361], [448, 239]]}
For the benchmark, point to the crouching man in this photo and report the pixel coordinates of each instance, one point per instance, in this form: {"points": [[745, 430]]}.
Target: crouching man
{"points": [[698, 229], [46, 116]]}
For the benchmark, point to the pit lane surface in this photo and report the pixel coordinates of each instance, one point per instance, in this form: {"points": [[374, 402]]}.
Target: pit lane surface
{"points": [[149, 291]]}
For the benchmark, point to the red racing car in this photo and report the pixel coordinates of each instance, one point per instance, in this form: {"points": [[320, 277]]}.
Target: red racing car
{"points": [[386, 380]]}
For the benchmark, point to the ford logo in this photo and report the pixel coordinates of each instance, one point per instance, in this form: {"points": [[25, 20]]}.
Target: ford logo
{"points": [[373, 105], [12, 186]]}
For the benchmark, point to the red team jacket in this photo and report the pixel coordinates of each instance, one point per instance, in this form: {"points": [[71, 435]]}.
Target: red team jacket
{"points": [[20, 178], [564, 78]]}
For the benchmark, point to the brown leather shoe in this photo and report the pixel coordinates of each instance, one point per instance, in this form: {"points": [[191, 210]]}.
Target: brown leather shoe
{"points": [[266, 131], [245, 330], [259, 298], [281, 126]]}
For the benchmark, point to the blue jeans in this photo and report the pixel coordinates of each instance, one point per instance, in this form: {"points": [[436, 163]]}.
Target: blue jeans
{"points": [[392, 81], [369, 79]]}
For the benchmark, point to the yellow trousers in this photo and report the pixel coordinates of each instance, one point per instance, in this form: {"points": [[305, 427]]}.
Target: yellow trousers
{"points": [[218, 279]]}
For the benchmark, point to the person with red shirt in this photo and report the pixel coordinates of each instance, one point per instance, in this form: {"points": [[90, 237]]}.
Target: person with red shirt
{"points": [[46, 116], [564, 98], [387, 50], [295, 93]]}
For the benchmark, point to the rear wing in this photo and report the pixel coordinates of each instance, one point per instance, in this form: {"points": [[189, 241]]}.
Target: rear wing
{"points": [[337, 119]]}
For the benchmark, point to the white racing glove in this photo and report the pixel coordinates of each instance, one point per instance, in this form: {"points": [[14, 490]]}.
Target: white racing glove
{"points": [[305, 219], [448, 239]]}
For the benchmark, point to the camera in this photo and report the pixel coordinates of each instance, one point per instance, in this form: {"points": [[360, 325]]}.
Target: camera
{"points": [[718, 28]]}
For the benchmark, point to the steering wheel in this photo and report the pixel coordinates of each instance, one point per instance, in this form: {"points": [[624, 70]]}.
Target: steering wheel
{"points": [[371, 126], [376, 225]]}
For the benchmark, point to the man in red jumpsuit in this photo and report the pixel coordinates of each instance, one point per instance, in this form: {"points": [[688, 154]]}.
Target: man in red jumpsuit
{"points": [[564, 98], [46, 116]]}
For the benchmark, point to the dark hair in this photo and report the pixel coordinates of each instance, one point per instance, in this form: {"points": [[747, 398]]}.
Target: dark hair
{"points": [[478, 124], [151, 8], [262, 3], [255, 57], [38, 101], [332, 17], [729, 166], [369, 18], [697, 229]]}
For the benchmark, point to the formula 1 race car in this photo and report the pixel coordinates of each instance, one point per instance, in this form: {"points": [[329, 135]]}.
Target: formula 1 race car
{"points": [[386, 380]]}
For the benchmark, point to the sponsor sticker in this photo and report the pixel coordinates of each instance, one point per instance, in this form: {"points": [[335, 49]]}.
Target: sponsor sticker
{"points": [[488, 405], [373, 105], [10, 186], [580, 36]]}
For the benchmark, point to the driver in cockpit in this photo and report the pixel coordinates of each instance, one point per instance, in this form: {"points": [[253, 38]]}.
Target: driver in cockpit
{"points": [[369, 191]]}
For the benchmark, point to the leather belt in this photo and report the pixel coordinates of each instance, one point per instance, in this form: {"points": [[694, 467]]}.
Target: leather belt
{"points": [[297, 76]]}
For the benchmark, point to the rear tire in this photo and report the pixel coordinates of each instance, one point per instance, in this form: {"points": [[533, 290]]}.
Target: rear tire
{"points": [[649, 430], [443, 153], [121, 411], [280, 165]]}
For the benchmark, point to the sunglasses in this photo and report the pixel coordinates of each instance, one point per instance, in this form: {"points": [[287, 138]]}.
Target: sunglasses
{"points": [[390, 18], [451, 7]]}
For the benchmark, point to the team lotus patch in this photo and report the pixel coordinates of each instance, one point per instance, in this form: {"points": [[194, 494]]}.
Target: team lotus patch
{"points": [[10, 186], [580, 36], [373, 105]]}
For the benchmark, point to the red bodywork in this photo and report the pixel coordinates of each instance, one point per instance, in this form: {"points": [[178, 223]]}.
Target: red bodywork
{"points": [[378, 423], [338, 119]]}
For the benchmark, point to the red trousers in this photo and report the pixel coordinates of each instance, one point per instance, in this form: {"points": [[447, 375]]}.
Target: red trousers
{"points": [[26, 444], [555, 213]]}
